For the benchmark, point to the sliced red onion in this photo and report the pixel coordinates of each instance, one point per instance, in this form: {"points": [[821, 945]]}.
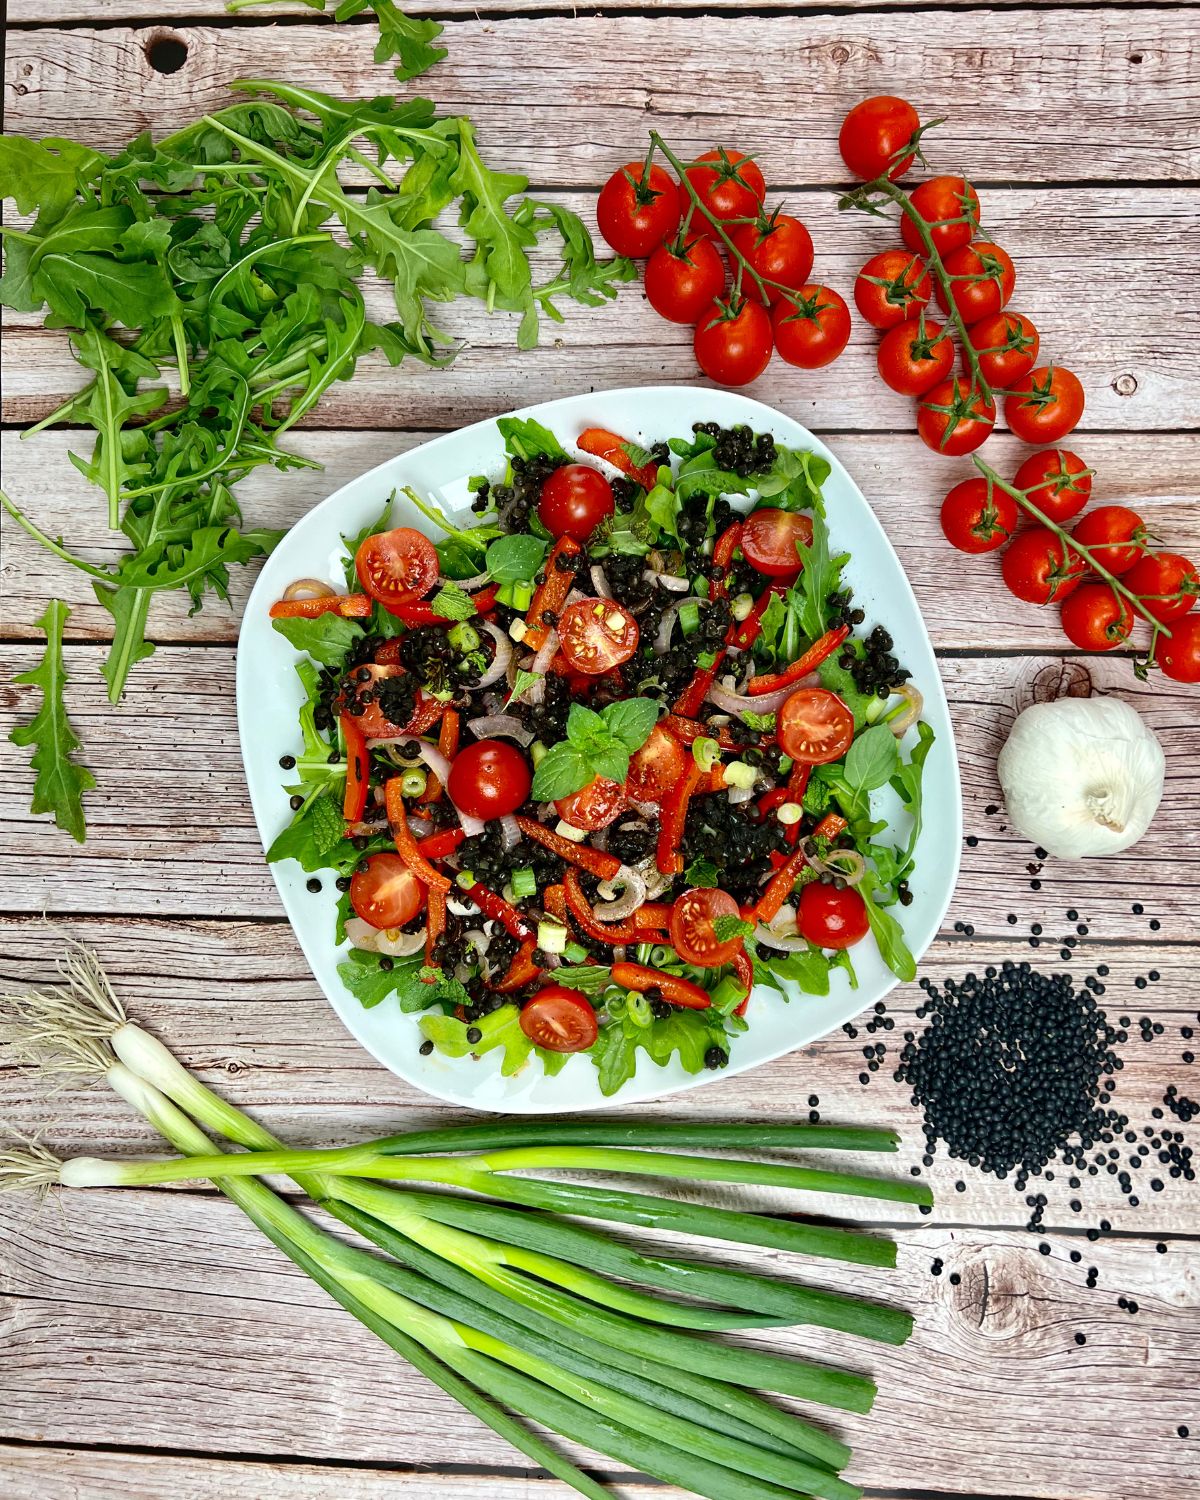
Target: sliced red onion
{"points": [[500, 726], [738, 794], [670, 581], [308, 588], [648, 810], [905, 721], [600, 582], [460, 908], [662, 639], [790, 942], [512, 834], [545, 655], [761, 703], [376, 940], [471, 584], [576, 596], [502, 657], [422, 827], [633, 894]]}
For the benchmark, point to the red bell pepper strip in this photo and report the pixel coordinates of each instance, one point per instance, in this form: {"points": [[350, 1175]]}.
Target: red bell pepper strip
{"points": [[687, 705], [515, 923], [594, 861], [773, 799], [743, 972], [435, 925], [388, 655], [448, 732], [688, 731], [674, 816], [653, 916], [415, 612], [358, 764], [406, 844], [438, 845], [485, 600], [522, 970], [802, 666], [554, 899], [744, 635], [678, 991], [581, 909], [723, 549], [830, 826], [551, 593], [351, 606], [779, 888], [601, 443]]}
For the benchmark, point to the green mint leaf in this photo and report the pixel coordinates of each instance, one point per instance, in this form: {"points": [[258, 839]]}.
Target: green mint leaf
{"points": [[640, 458], [327, 638], [328, 825], [763, 723], [610, 760], [516, 558], [592, 979], [703, 873], [562, 770], [59, 782], [523, 681], [631, 721], [453, 603], [586, 729], [726, 928]]}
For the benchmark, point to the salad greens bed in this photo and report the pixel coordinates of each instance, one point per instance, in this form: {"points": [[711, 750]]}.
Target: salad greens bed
{"points": [[509, 933]]}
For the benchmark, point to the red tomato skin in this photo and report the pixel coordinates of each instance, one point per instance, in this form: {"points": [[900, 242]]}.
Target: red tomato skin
{"points": [[397, 566], [1045, 405], [489, 779], [1179, 653], [780, 249], [403, 894], [594, 806], [680, 286], [574, 501], [820, 708], [769, 539], [691, 928], [1166, 574], [1006, 347], [559, 1019], [1036, 567], [912, 362], [941, 201], [969, 432], [733, 351], [874, 132], [596, 635], [726, 197], [974, 522], [979, 299], [906, 291], [631, 228], [830, 918], [1095, 619], [1057, 482], [813, 332], [1113, 534], [656, 767]]}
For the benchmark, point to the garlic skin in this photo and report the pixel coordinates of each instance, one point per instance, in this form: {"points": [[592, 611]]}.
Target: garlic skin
{"points": [[1081, 776]]}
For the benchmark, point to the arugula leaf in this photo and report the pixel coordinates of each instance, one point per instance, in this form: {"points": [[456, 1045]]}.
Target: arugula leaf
{"points": [[888, 934], [59, 782], [661, 505], [129, 609], [524, 437], [46, 174], [453, 603], [502, 241], [821, 577], [907, 783], [400, 36], [808, 968], [794, 480], [687, 1034], [502, 1028], [371, 984], [327, 638], [516, 558], [582, 277], [838, 680]]}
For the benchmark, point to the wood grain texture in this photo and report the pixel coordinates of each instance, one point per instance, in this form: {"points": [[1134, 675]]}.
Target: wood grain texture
{"points": [[1069, 78], [1126, 326], [903, 480], [232, 1349], [237, 1003]]}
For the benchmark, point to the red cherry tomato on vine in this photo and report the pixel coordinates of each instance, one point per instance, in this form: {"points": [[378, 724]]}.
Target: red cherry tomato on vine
{"points": [[575, 499], [985, 296], [1166, 583], [693, 929], [892, 287], [953, 420], [814, 727], [594, 806], [385, 892], [489, 779], [396, 567], [780, 249], [769, 540], [1095, 619], [1179, 656], [1114, 535], [874, 135], [730, 186], [1038, 567], [950, 206], [681, 282], [1058, 483], [634, 214], [1045, 405], [559, 1019], [733, 347], [656, 767], [914, 356], [974, 521], [812, 328], [1006, 346], [597, 635], [830, 918]]}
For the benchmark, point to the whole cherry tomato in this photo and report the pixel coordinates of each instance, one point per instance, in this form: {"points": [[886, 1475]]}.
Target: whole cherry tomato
{"points": [[984, 277], [1044, 405], [914, 356], [1179, 654], [729, 184], [1006, 346], [874, 137], [1166, 583], [830, 918], [489, 779], [635, 213], [575, 499], [1114, 535], [733, 343], [954, 420], [770, 537], [891, 288], [780, 249], [682, 280], [950, 206], [976, 517], [1057, 482], [1038, 567], [1096, 619], [812, 328]]}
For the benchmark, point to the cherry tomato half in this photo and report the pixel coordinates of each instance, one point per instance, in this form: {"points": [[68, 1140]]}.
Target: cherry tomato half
{"points": [[812, 328], [1058, 483], [1179, 654], [730, 185], [814, 727], [1114, 535], [733, 346], [874, 136], [635, 214], [594, 806], [950, 205], [656, 767], [1095, 619], [396, 567], [780, 249], [1045, 405], [1166, 583], [597, 635], [1006, 346], [770, 538], [892, 287], [574, 500], [984, 280], [831, 918], [974, 520], [953, 420], [693, 934], [681, 282], [914, 356], [1038, 567], [385, 892], [559, 1019], [489, 779]]}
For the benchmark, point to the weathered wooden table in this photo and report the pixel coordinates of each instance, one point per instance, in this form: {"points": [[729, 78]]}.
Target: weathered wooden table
{"points": [[152, 1347]]}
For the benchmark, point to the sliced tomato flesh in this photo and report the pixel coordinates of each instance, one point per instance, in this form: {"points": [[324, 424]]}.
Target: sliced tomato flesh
{"points": [[693, 928], [814, 726], [396, 567], [597, 635], [560, 1019], [385, 892]]}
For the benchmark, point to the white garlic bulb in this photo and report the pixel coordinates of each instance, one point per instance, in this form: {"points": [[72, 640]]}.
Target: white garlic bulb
{"points": [[1081, 776]]}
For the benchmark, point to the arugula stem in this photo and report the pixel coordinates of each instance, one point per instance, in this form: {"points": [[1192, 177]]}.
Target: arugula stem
{"points": [[48, 542]]}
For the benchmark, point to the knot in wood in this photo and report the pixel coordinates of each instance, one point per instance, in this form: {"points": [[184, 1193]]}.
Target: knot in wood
{"points": [[1125, 385], [1058, 679]]}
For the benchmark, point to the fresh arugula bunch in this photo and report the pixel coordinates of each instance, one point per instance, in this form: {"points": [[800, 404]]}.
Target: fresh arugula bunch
{"points": [[404, 37], [597, 744], [206, 260]]}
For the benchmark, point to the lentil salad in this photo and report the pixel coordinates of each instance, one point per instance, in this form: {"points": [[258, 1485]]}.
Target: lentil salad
{"points": [[598, 763]]}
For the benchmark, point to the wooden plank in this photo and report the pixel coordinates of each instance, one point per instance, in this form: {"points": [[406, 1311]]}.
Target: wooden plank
{"points": [[162, 14], [903, 480], [1139, 359], [1069, 75], [119, 1330], [236, 1002], [171, 832]]}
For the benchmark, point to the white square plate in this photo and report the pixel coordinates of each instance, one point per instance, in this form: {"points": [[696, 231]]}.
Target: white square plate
{"points": [[269, 697]]}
